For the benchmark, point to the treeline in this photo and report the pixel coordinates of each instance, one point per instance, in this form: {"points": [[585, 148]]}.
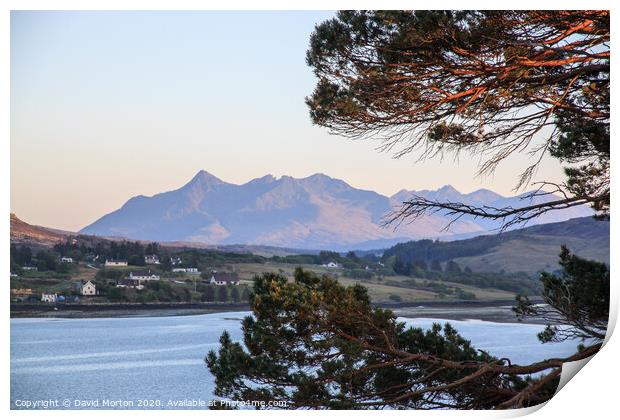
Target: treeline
{"points": [[215, 258], [162, 291], [349, 261], [100, 251], [421, 268], [429, 250], [451, 271], [441, 290], [42, 260]]}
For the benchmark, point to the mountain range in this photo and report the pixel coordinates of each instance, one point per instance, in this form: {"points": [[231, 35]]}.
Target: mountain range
{"points": [[316, 212]]}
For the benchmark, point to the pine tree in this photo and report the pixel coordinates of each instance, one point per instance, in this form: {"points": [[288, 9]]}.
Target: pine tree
{"points": [[577, 299], [222, 294], [314, 343], [436, 266], [453, 267], [479, 82], [209, 294], [234, 295], [245, 296]]}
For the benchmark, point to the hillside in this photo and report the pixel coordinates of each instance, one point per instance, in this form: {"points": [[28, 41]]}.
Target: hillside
{"points": [[36, 236], [316, 212], [24, 233], [529, 250]]}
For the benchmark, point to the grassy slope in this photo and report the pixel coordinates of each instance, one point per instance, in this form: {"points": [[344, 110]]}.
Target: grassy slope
{"points": [[533, 253], [379, 290], [531, 249]]}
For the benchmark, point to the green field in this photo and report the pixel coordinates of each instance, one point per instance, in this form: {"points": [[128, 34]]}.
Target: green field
{"points": [[379, 290], [388, 289]]}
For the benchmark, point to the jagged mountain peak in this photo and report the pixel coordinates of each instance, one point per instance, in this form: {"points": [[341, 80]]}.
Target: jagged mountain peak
{"points": [[448, 188], [483, 195], [204, 178], [266, 179], [315, 212], [321, 176]]}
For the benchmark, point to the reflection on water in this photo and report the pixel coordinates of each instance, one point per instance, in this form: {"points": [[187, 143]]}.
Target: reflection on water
{"points": [[162, 358]]}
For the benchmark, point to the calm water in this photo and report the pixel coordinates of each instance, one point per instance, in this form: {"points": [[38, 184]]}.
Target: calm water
{"points": [[161, 358]]}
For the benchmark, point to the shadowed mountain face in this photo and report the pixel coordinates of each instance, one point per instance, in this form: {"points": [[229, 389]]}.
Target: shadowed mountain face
{"points": [[317, 212]]}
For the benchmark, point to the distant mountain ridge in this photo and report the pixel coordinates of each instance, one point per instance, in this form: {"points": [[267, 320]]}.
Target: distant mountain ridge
{"points": [[538, 245], [315, 212]]}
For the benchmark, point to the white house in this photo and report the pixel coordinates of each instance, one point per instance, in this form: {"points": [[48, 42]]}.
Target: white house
{"points": [[49, 297], [175, 261], [132, 284], [66, 259], [189, 270], [142, 275], [151, 259], [29, 268], [89, 289], [115, 263], [331, 264], [224, 279], [86, 289]]}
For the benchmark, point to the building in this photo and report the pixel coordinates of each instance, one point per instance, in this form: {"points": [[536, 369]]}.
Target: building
{"points": [[116, 263], [49, 297], [188, 270], [143, 275], [87, 288], [21, 292], [176, 261], [29, 268], [224, 279], [66, 259], [331, 264], [151, 259], [129, 283]]}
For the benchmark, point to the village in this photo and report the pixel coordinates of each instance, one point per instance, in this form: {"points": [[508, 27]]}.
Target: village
{"points": [[120, 275], [85, 270]]}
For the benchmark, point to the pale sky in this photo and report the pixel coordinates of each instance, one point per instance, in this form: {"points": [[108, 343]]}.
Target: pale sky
{"points": [[109, 105]]}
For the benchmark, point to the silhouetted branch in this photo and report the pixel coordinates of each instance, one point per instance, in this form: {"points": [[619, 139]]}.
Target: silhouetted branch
{"points": [[418, 206]]}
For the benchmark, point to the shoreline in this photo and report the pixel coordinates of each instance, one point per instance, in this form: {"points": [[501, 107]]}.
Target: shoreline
{"points": [[494, 311], [121, 310]]}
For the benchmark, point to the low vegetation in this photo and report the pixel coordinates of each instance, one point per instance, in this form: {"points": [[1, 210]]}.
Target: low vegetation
{"points": [[388, 280]]}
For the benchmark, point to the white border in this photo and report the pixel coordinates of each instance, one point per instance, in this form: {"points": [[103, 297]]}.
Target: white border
{"points": [[591, 395]]}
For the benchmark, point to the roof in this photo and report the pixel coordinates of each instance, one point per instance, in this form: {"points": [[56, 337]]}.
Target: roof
{"points": [[226, 277], [127, 282], [83, 282], [142, 273]]}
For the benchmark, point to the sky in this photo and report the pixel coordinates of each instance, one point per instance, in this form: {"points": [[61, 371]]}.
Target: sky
{"points": [[109, 105]]}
